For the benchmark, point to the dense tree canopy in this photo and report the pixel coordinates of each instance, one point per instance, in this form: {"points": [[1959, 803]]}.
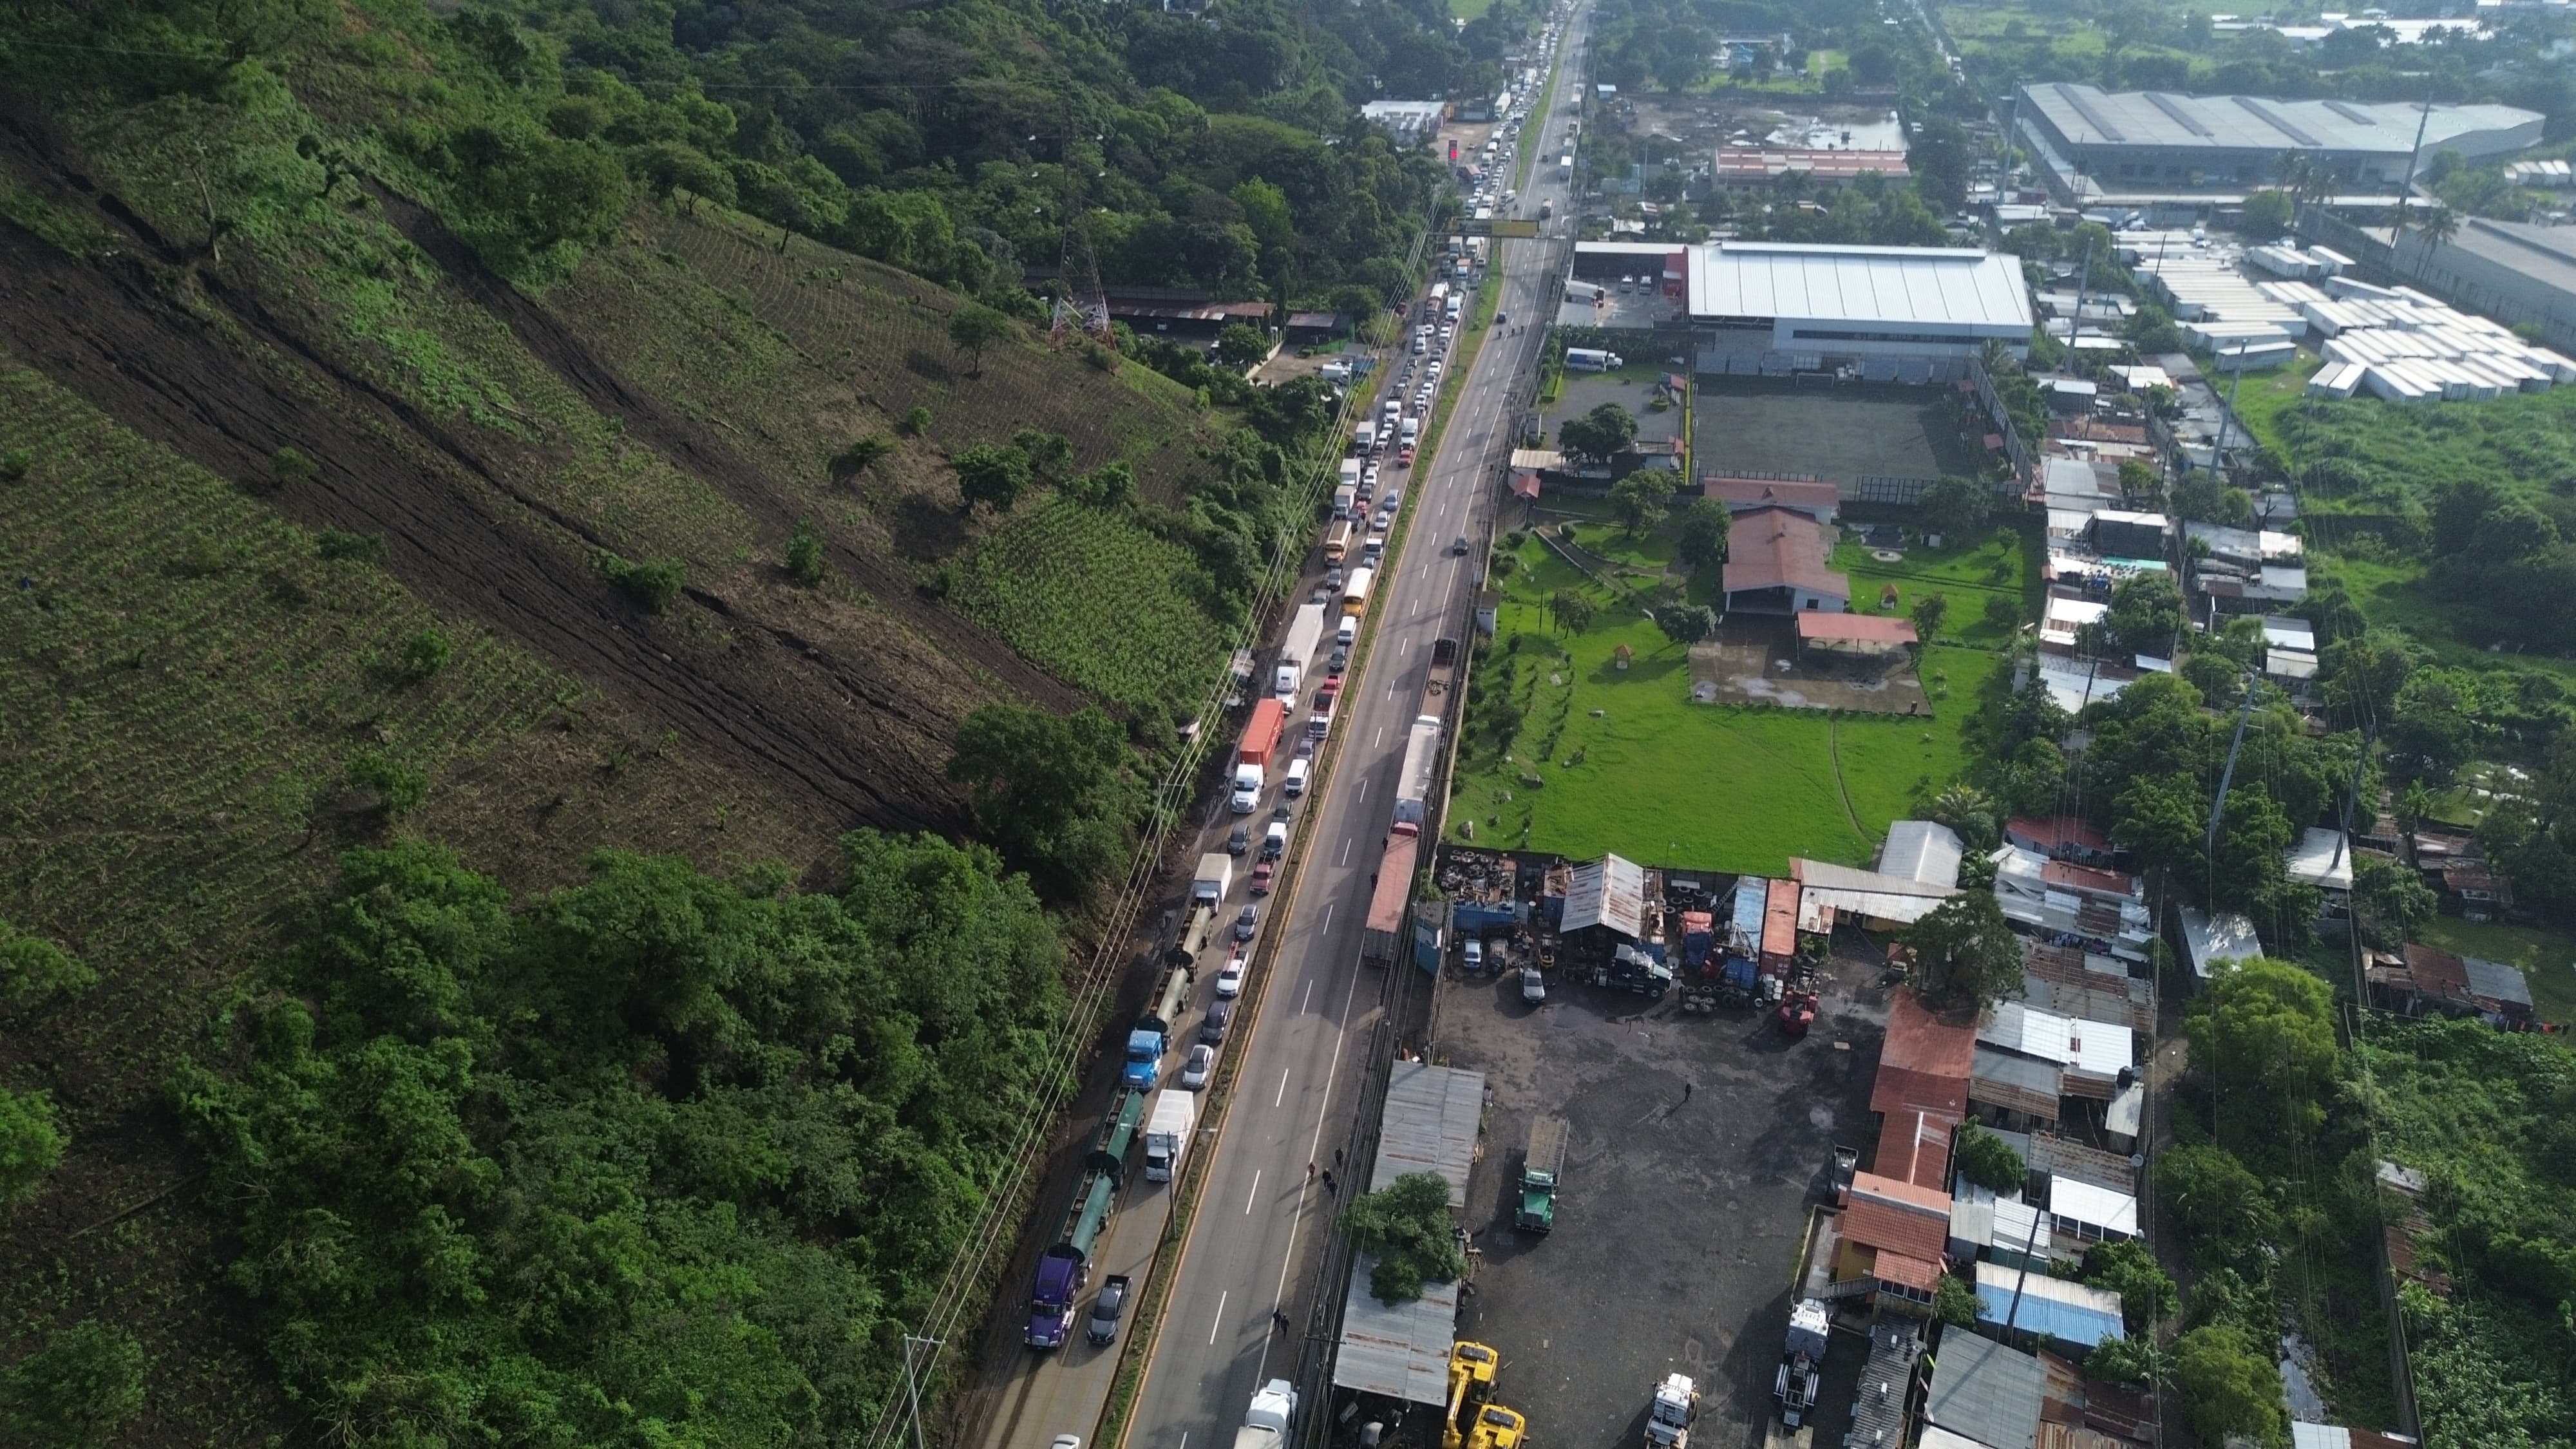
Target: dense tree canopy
{"points": [[658, 1160]]}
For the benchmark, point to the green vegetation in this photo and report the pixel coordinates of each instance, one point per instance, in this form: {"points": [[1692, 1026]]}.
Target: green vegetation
{"points": [[31, 1144], [34, 970], [657, 1160], [1988, 1160], [1055, 792], [1097, 598], [76, 1390], [2003, 565], [1968, 956], [1406, 1225]]}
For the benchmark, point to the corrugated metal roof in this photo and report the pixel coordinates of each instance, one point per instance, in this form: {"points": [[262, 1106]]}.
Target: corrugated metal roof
{"points": [[2089, 115], [1897, 1217], [2058, 1308], [1984, 1391], [1886, 1382], [1971, 291], [2322, 857], [2496, 981], [2064, 1157], [2016, 1084], [2072, 1200], [1606, 892], [1429, 1125], [1924, 1061], [1920, 850], [2228, 937], [2093, 1047], [2087, 1001], [1399, 1351]]}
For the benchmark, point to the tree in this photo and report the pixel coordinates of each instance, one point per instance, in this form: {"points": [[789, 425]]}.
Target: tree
{"points": [[674, 167], [805, 553], [1239, 346], [1055, 793], [398, 789], [2129, 1361], [2146, 613], [2147, 1292], [1988, 1160], [1928, 612], [1956, 507], [31, 1145], [2215, 1203], [1572, 611], [863, 453], [1640, 499], [2229, 1385], [425, 653], [2264, 1032], [2394, 899], [1599, 435], [974, 328], [78, 1388], [1406, 1225], [1107, 486], [1970, 812], [2268, 215], [1954, 1301], [1687, 623], [1050, 455], [1967, 952], [2139, 480], [1700, 539], [2439, 225], [992, 476], [33, 968]]}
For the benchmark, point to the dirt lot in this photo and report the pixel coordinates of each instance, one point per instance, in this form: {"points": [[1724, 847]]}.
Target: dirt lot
{"points": [[1743, 664], [1837, 433], [1699, 1145]]}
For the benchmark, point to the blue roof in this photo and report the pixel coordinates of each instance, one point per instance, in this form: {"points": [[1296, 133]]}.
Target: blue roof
{"points": [[2066, 1322]]}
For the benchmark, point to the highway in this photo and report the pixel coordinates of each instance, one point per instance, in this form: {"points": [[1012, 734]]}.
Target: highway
{"points": [[1260, 1216]]}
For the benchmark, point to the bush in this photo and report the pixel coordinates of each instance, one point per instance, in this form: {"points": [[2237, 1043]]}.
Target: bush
{"points": [[915, 423], [15, 463], [861, 455], [805, 553], [1988, 1160], [289, 465], [2147, 1292], [1954, 1301], [2002, 612], [33, 968], [426, 653], [654, 585], [398, 790], [31, 1145], [76, 1389], [2229, 1385], [365, 547]]}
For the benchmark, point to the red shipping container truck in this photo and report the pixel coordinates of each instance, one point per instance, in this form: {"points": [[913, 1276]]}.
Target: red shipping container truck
{"points": [[1261, 737], [1780, 928]]}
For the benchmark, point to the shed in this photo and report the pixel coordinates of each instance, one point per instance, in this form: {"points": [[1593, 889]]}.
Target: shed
{"points": [[1429, 1125], [1984, 1393], [1608, 894], [2500, 990], [1398, 1351], [2321, 858], [2208, 940], [2016, 1089], [1878, 900], [1924, 851], [2090, 1214], [2058, 1309]]}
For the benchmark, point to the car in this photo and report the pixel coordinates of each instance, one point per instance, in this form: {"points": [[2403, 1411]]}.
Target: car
{"points": [[1321, 595], [1333, 575], [1404, 457], [1247, 922], [1458, 545], [1262, 875], [1386, 505], [1274, 841], [1471, 954], [1240, 840], [1340, 661], [1200, 1067], [1380, 523], [1066, 1441], [1229, 981], [1533, 985], [1212, 1025], [1500, 319], [1105, 1310], [1627, 284]]}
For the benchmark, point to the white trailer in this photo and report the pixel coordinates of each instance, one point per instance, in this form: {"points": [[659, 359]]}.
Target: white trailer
{"points": [[1421, 764], [1167, 1133], [1305, 635]]}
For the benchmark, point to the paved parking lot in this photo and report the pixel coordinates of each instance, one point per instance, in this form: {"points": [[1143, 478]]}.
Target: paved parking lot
{"points": [[1680, 1221]]}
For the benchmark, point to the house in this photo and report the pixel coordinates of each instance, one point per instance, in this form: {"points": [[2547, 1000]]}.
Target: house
{"points": [[2016, 1301], [1819, 501], [1924, 851], [2121, 534], [2089, 1213], [2307, 1435], [1316, 326], [1982, 1393], [1893, 1236], [1921, 1092], [2089, 985], [2012, 1091], [2062, 898], [2501, 992], [2063, 616], [2470, 885], [1988, 1226], [2094, 1057], [2060, 837], [2208, 940], [2065, 1157], [1775, 564], [1180, 315]]}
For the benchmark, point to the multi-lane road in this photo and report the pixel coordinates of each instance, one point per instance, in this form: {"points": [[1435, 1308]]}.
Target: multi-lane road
{"points": [[1260, 1217]]}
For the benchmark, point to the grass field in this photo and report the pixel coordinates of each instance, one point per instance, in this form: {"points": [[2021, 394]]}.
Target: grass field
{"points": [[1625, 762], [2393, 594], [2004, 566], [2547, 957], [2263, 395], [1096, 599]]}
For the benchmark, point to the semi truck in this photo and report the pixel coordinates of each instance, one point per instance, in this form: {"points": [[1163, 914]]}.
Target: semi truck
{"points": [[1063, 1268], [1542, 1167], [1802, 1361], [1297, 652], [1421, 768], [1146, 1042], [1593, 359], [1269, 1418], [1215, 878], [1384, 928], [1669, 1418], [1435, 683], [1261, 734], [1167, 1134]]}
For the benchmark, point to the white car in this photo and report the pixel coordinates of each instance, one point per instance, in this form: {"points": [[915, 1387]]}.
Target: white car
{"points": [[1201, 1066], [1229, 982], [1379, 524]]}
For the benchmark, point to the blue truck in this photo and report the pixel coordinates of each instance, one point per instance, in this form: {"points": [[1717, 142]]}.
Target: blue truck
{"points": [[1145, 1047]]}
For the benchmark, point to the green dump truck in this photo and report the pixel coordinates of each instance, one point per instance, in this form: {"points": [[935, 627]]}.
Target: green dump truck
{"points": [[1542, 1168]]}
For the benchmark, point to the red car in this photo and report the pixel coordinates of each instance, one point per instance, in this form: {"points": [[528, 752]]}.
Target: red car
{"points": [[1261, 876], [1325, 696], [1404, 458]]}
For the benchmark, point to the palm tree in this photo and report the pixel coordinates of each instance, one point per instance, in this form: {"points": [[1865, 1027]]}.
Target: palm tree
{"points": [[2439, 225]]}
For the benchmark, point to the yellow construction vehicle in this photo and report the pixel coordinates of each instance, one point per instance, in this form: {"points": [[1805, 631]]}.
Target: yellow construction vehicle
{"points": [[1471, 1365], [1497, 1428]]}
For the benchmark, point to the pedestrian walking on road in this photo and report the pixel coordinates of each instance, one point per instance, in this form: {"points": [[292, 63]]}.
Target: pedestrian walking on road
{"points": [[1328, 1184], [1686, 1090], [1337, 1157], [1310, 1172], [1279, 1316]]}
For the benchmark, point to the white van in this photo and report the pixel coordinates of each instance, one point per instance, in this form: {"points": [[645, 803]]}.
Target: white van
{"points": [[1347, 634], [1296, 785]]}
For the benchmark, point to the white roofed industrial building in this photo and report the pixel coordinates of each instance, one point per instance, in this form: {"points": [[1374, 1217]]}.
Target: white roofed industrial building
{"points": [[1861, 301]]}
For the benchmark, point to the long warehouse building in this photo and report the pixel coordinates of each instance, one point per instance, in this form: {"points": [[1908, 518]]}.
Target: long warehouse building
{"points": [[2097, 146], [1858, 302]]}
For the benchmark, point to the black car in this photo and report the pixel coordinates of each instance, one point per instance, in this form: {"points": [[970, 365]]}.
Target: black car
{"points": [[1340, 661], [1247, 923], [1212, 1026], [1106, 1308], [1240, 841]]}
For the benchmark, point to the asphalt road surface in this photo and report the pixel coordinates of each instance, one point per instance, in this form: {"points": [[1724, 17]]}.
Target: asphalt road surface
{"points": [[1261, 1213]]}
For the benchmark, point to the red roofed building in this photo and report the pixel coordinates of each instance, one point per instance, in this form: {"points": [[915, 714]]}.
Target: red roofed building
{"points": [[1775, 564], [1893, 1234], [1925, 1062], [1874, 635], [2063, 837], [1820, 501], [2085, 880]]}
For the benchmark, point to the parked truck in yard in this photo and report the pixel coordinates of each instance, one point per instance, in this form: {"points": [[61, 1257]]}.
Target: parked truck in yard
{"points": [[1381, 935], [1668, 1419], [1167, 1134], [1802, 1361], [1542, 1168], [1297, 651], [1592, 359], [1269, 1418]]}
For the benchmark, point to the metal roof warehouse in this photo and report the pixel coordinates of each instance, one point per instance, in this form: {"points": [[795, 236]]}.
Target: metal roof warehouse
{"points": [[1402, 1350], [1860, 300]]}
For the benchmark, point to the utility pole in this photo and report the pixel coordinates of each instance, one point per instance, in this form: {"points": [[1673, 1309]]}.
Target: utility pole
{"points": [[2218, 811], [912, 1383]]}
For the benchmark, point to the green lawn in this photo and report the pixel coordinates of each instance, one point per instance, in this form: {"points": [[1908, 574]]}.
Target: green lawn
{"points": [[2004, 565], [2546, 956], [2263, 393], [1626, 763]]}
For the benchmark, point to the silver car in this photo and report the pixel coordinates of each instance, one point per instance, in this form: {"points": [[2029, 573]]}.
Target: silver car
{"points": [[1201, 1066]]}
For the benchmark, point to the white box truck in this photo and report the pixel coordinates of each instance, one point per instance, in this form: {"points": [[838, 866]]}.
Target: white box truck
{"points": [[1167, 1133], [1272, 1414], [1364, 437], [1410, 433], [1305, 636], [1593, 359]]}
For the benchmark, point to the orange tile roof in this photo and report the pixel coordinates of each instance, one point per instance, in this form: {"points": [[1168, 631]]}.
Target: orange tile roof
{"points": [[1908, 1271]]}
